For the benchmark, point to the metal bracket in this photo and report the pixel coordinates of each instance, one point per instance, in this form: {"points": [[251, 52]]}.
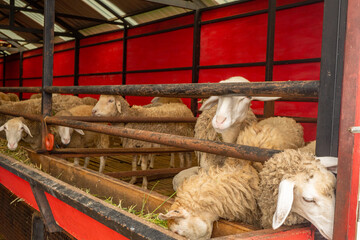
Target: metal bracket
{"points": [[45, 210], [354, 129]]}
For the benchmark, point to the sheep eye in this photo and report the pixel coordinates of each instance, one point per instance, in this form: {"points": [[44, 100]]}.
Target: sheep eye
{"points": [[5, 128], [309, 200], [111, 100]]}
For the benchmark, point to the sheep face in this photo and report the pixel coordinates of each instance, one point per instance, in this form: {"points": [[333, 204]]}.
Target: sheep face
{"points": [[181, 222], [65, 134], [14, 130], [312, 197], [107, 106]]}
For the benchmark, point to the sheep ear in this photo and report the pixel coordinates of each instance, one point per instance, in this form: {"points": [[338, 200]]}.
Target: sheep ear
{"points": [[265, 99], [27, 130], [2, 128], [211, 101], [118, 103], [171, 215], [81, 132], [284, 203], [329, 162]]}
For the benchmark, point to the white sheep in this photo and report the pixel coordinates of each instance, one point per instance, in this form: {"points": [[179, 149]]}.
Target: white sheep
{"points": [[296, 186], [17, 129], [109, 105], [77, 138], [292, 186], [226, 192]]}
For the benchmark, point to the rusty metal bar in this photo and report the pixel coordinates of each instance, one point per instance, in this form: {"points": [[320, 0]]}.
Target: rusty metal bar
{"points": [[303, 89], [133, 119], [21, 89], [219, 148], [153, 172], [96, 152]]}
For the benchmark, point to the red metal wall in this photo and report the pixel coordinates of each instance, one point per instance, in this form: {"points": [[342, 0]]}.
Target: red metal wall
{"points": [[242, 40]]}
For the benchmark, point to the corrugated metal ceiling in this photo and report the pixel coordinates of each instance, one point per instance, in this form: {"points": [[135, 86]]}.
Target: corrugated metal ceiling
{"points": [[133, 11]]}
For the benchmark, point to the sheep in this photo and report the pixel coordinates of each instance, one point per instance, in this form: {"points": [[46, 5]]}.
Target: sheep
{"points": [[76, 138], [226, 192], [17, 129], [109, 105], [223, 117], [296, 186], [33, 106], [4, 96], [292, 186], [310, 147], [35, 96], [89, 101], [13, 97]]}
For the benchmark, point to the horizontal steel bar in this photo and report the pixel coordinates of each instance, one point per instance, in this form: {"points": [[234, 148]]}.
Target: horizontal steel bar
{"points": [[133, 119], [219, 148], [153, 172], [199, 90], [21, 89]]}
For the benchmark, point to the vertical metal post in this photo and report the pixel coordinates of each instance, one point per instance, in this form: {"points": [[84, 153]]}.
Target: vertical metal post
{"points": [[48, 59], [124, 54], [12, 13], [21, 60], [270, 106], [76, 61], [349, 143], [331, 75], [4, 69], [196, 56], [37, 228]]}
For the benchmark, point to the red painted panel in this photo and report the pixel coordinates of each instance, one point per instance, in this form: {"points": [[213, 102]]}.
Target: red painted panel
{"points": [[309, 131], [172, 23], [166, 50], [12, 83], [246, 7], [18, 186], [101, 58], [31, 83], [12, 69], [32, 52], [236, 41], [64, 81], [66, 45], [294, 234], [64, 63], [298, 32], [101, 38], [32, 67], [79, 224], [304, 71], [172, 77], [115, 79], [286, 2]]}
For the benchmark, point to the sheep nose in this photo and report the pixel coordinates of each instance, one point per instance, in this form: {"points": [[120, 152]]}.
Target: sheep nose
{"points": [[11, 145], [220, 119], [66, 141], [94, 112]]}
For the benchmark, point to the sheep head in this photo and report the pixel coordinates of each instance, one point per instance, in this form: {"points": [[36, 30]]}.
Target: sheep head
{"points": [[65, 133], [307, 189], [182, 222], [15, 129], [109, 106], [230, 108]]}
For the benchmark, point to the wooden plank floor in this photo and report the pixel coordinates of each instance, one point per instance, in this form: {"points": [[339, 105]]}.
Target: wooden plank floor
{"points": [[123, 163]]}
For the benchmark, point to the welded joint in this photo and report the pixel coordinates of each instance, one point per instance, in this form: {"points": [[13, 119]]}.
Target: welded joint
{"points": [[355, 129], [45, 210]]}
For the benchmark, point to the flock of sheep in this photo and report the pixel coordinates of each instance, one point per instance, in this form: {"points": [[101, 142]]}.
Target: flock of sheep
{"points": [[292, 187]]}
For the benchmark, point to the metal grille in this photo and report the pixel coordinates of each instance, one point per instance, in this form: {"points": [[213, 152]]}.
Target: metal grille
{"points": [[16, 219]]}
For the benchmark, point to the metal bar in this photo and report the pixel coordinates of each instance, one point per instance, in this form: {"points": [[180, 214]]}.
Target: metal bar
{"points": [[269, 107], [21, 89], [76, 61], [113, 12], [4, 70], [45, 210], [298, 4], [177, 3], [196, 57], [160, 70], [37, 227], [153, 172], [234, 65], [219, 148], [295, 61], [99, 74], [21, 70], [200, 90], [331, 77], [90, 19], [242, 15], [133, 119], [104, 42], [12, 13], [33, 30], [96, 152], [124, 63], [347, 188]]}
